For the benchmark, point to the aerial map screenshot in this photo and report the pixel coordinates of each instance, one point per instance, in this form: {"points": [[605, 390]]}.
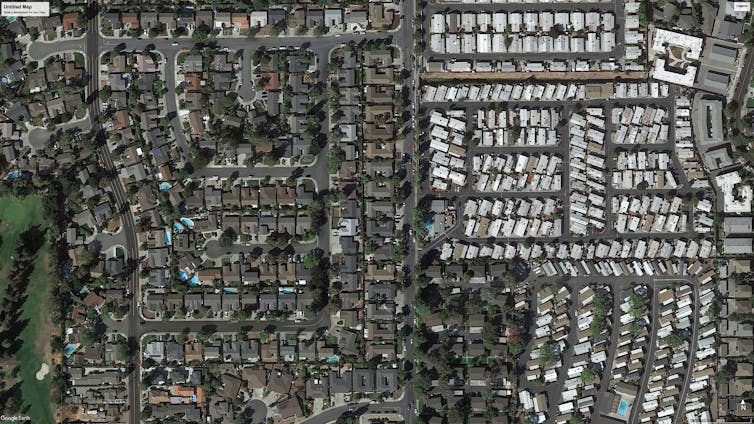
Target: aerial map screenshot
{"points": [[377, 211]]}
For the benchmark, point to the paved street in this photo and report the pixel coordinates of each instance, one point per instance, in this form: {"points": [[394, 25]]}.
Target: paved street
{"points": [[94, 44], [322, 320], [649, 357], [616, 284], [616, 7], [121, 200], [38, 137], [215, 251], [562, 150], [134, 326], [171, 105]]}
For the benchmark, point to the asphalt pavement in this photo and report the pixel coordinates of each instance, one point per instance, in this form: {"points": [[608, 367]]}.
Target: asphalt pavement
{"points": [[322, 320], [616, 284], [123, 206], [215, 251], [93, 44], [171, 105]]}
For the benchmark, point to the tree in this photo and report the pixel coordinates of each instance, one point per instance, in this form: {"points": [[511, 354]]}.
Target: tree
{"points": [[258, 56], [600, 315], [105, 93], [310, 261], [319, 283], [636, 305], [200, 35], [318, 214], [515, 349], [714, 310], [635, 329], [200, 158], [206, 332], [275, 30], [335, 157], [547, 356], [278, 238], [588, 375], [489, 335], [460, 412], [575, 419], [724, 375], [645, 13], [320, 30], [675, 340], [228, 237]]}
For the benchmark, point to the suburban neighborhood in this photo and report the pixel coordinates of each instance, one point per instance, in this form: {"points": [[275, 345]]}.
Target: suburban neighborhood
{"points": [[401, 211]]}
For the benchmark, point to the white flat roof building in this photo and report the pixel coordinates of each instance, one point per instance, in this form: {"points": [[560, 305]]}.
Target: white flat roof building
{"points": [[666, 43], [692, 45], [727, 183]]}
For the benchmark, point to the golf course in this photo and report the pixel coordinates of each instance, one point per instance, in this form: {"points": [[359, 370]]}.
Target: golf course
{"points": [[27, 277]]}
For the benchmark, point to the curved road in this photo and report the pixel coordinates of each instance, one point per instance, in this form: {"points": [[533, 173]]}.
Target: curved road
{"points": [[93, 44], [332, 414], [121, 200]]}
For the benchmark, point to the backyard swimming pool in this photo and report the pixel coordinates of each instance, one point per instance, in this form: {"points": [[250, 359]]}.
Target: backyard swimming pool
{"points": [[622, 408]]}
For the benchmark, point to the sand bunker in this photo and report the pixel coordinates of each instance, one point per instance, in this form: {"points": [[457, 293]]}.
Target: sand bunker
{"points": [[43, 370]]}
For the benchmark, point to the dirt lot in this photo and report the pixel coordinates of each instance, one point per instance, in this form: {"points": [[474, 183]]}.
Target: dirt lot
{"points": [[534, 76]]}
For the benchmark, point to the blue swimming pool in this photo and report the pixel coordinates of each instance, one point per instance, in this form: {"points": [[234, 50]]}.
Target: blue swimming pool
{"points": [[286, 290], [622, 408], [167, 236], [230, 290], [70, 349], [333, 359], [178, 227], [182, 275], [187, 222], [13, 175], [165, 186], [194, 280]]}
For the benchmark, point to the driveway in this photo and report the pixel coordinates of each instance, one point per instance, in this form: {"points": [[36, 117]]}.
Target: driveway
{"points": [[255, 412]]}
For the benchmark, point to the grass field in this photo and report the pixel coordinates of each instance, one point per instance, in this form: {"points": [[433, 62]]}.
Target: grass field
{"points": [[16, 216]]}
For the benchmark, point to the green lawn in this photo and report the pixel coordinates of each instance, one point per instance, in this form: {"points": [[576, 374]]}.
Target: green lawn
{"points": [[79, 60], [307, 159], [16, 216]]}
